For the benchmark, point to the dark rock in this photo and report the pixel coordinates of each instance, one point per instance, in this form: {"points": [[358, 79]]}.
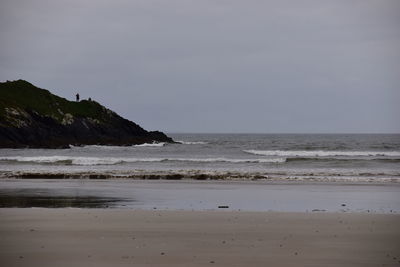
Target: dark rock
{"points": [[35, 118]]}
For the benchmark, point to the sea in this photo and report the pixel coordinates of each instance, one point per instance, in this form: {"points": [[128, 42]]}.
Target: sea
{"points": [[275, 157]]}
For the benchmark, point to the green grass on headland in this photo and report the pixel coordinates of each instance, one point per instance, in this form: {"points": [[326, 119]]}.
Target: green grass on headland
{"points": [[25, 96]]}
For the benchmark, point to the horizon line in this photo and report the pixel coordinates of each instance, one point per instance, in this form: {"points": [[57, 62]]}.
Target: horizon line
{"points": [[294, 133]]}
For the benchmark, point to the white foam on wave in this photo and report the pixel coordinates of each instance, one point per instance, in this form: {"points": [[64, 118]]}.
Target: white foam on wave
{"points": [[99, 147], [271, 160], [154, 144], [191, 143], [112, 160], [39, 159], [76, 160], [322, 153]]}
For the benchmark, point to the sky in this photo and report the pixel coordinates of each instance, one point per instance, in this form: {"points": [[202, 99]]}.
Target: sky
{"points": [[216, 66]]}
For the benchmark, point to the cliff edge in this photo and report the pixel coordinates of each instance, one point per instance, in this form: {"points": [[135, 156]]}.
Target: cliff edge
{"points": [[35, 118]]}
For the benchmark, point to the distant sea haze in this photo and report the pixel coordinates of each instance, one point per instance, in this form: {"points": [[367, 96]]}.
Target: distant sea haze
{"points": [[265, 156]]}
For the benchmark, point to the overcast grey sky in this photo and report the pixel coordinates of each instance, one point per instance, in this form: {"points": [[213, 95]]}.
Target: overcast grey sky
{"points": [[215, 65]]}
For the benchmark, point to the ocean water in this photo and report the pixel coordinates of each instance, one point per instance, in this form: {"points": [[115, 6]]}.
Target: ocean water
{"points": [[355, 157]]}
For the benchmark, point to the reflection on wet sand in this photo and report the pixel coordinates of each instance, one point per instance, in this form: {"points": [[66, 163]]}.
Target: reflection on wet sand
{"points": [[28, 198]]}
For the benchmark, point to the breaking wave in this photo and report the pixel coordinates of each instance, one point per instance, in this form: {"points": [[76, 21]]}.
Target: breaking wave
{"points": [[155, 144], [191, 143], [88, 161], [322, 153], [341, 160], [112, 161]]}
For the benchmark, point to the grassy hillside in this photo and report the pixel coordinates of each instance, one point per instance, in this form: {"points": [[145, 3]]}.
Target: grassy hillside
{"points": [[22, 95]]}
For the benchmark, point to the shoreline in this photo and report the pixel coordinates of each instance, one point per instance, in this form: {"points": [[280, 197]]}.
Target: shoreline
{"points": [[98, 237], [288, 181], [195, 175]]}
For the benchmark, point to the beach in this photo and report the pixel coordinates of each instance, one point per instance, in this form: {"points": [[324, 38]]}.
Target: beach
{"points": [[98, 237], [199, 133], [122, 222], [218, 200]]}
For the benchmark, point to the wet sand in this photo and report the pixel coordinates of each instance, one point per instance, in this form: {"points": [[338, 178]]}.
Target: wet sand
{"points": [[113, 237], [201, 195]]}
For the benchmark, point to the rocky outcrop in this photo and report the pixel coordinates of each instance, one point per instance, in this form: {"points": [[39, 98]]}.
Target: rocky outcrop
{"points": [[35, 118]]}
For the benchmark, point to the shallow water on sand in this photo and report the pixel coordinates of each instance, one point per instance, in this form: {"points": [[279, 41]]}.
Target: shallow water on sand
{"points": [[205, 195]]}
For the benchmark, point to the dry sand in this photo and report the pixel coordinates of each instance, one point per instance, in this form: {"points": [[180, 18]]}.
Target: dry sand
{"points": [[74, 237]]}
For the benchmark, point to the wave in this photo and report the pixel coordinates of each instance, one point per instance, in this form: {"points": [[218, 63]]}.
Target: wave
{"points": [[74, 160], [192, 143], [88, 161], [154, 144], [322, 153], [349, 160], [112, 161], [99, 147], [271, 160]]}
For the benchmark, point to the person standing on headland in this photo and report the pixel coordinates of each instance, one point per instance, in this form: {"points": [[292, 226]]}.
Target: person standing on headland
{"points": [[77, 97]]}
